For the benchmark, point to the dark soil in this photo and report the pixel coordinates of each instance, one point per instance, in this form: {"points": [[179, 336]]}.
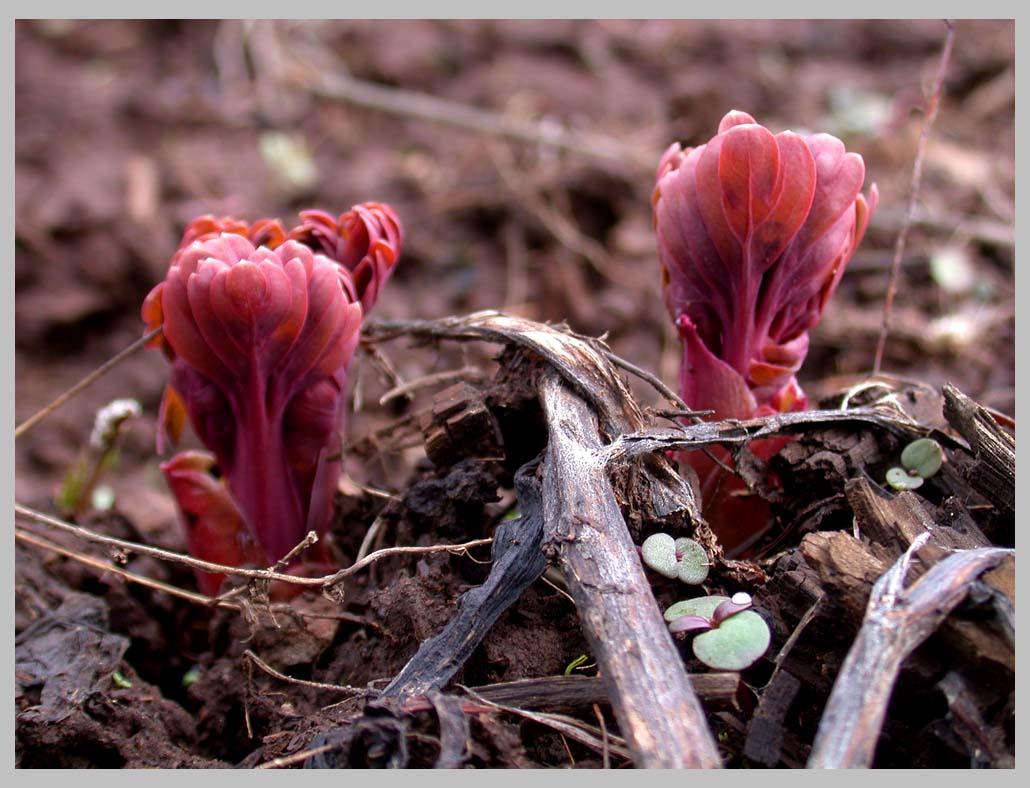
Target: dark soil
{"points": [[127, 130]]}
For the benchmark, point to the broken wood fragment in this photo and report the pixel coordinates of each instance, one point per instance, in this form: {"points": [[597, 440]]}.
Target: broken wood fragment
{"points": [[898, 619], [765, 730], [570, 693], [994, 473], [895, 519], [459, 425]]}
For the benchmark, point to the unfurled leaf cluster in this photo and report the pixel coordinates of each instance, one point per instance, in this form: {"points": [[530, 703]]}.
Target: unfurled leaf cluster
{"points": [[754, 232]]}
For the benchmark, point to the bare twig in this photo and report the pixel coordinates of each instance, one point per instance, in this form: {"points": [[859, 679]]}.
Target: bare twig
{"points": [[606, 762], [309, 539], [258, 574], [99, 372], [917, 172], [897, 620], [656, 383], [156, 552], [378, 555], [223, 601], [297, 757], [105, 566], [352, 691], [735, 432], [976, 228], [567, 726], [435, 379], [370, 535]]}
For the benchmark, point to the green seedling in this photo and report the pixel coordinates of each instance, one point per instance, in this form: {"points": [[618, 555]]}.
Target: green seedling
{"points": [[732, 637], [680, 558], [577, 662], [120, 681], [920, 460]]}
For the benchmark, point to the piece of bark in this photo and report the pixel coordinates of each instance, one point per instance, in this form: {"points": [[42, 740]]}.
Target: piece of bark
{"points": [[897, 518], [994, 473], [897, 621], [572, 693], [848, 569], [764, 740], [459, 425], [658, 712]]}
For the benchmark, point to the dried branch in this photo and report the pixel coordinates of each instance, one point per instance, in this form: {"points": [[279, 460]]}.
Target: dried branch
{"points": [[264, 666], [91, 378], [107, 566], [434, 379], [734, 432], [897, 620], [567, 726], [518, 561]]}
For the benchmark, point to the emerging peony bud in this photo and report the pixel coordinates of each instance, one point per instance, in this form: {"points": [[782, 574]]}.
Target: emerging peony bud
{"points": [[259, 339], [365, 241], [754, 231]]}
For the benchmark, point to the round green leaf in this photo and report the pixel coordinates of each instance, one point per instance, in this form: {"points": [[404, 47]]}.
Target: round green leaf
{"points": [[692, 567], [659, 552], [737, 643], [900, 479], [924, 456]]}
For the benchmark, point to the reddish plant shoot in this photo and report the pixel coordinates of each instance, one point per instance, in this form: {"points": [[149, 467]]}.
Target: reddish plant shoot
{"points": [[260, 326], [754, 232]]}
